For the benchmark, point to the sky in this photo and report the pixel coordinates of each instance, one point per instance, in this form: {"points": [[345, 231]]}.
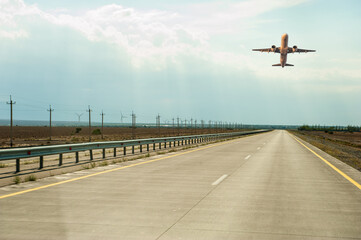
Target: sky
{"points": [[187, 59]]}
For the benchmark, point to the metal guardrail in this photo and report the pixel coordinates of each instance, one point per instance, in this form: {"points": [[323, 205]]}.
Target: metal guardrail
{"points": [[27, 152]]}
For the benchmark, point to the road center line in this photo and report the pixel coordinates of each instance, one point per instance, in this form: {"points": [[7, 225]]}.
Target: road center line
{"points": [[247, 157], [219, 180]]}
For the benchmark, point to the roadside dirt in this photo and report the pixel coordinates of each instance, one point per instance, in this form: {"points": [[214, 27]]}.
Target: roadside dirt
{"points": [[39, 136]]}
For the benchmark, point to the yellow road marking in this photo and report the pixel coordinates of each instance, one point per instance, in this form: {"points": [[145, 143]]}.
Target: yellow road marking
{"points": [[331, 165], [110, 170]]}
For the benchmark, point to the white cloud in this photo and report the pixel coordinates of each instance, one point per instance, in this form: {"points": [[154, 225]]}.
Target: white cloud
{"points": [[151, 37]]}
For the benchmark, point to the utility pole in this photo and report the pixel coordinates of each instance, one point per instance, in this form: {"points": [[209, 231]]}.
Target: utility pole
{"points": [[158, 124], [90, 133], [102, 114], [79, 115], [195, 126], [50, 110], [11, 120], [173, 127], [122, 117], [133, 124], [178, 125], [191, 125]]}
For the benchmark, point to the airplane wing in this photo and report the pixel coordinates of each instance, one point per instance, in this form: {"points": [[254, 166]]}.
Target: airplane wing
{"points": [[267, 50], [299, 50]]}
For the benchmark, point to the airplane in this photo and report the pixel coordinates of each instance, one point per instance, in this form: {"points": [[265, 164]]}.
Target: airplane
{"points": [[283, 50]]}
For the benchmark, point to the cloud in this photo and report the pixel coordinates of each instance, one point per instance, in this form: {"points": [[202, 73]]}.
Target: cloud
{"points": [[150, 37]]}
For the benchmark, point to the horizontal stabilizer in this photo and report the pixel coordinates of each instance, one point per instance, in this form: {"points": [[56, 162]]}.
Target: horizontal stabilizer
{"points": [[279, 65]]}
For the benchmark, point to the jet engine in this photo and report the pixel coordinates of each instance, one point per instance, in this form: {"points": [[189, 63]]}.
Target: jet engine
{"points": [[294, 48], [273, 48]]}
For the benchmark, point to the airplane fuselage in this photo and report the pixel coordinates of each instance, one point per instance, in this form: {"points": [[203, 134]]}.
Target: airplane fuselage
{"points": [[284, 49]]}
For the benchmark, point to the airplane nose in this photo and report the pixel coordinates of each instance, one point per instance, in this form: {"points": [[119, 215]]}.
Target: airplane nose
{"points": [[285, 35]]}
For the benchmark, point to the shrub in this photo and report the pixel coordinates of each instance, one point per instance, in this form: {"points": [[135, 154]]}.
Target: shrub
{"points": [[30, 178], [97, 132], [17, 180], [77, 130]]}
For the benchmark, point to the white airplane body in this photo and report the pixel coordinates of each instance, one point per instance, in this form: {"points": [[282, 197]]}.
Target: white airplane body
{"points": [[283, 50]]}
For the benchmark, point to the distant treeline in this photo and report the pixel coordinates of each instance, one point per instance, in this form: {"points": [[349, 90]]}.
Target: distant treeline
{"points": [[330, 128]]}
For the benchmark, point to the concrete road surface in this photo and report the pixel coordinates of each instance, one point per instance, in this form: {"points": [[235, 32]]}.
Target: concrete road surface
{"points": [[266, 186]]}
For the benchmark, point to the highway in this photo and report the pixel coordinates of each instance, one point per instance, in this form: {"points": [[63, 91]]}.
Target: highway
{"points": [[266, 186]]}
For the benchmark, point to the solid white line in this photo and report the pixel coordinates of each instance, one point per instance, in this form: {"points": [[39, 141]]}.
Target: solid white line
{"points": [[219, 180], [247, 157]]}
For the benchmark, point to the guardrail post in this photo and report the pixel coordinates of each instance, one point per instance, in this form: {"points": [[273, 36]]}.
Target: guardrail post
{"points": [[174, 143], [182, 142], [141, 148], [154, 146], [133, 149], [76, 157], [17, 165], [148, 147], [178, 142], [60, 159], [165, 144], [115, 152], [41, 162], [170, 144], [91, 154], [160, 145], [125, 150], [103, 152]]}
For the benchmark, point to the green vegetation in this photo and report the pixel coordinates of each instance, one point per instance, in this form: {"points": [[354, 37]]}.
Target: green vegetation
{"points": [[330, 129], [104, 163], [97, 132], [17, 180], [92, 165], [30, 178], [86, 166], [2, 165]]}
